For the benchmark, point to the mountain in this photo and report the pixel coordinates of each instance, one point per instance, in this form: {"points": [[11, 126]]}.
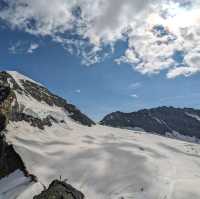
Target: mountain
{"points": [[24, 100], [183, 123], [32, 101], [49, 149]]}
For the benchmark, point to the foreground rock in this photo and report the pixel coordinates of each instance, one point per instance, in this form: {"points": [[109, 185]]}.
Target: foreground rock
{"points": [[60, 190]]}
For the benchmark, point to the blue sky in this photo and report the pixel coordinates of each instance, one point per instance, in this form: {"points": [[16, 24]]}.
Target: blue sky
{"points": [[104, 86]]}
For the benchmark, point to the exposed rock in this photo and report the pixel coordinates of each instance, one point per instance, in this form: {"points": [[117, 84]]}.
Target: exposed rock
{"points": [[60, 190], [2, 122], [36, 122], [159, 120], [10, 161]]}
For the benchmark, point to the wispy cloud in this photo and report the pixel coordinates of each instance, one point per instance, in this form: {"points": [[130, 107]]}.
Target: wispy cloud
{"points": [[78, 91], [135, 85], [134, 96], [23, 47], [15, 48]]}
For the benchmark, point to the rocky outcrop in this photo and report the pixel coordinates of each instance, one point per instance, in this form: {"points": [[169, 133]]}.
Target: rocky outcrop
{"points": [[60, 190], [33, 121], [10, 161], [159, 120]]}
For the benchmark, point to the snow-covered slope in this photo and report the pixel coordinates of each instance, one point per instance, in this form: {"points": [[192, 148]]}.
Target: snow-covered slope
{"points": [[35, 100], [106, 163], [102, 162]]}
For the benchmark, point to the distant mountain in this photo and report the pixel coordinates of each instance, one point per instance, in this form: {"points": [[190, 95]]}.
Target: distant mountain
{"points": [[175, 122]]}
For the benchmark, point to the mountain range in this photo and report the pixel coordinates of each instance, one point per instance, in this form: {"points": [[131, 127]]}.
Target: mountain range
{"points": [[48, 145]]}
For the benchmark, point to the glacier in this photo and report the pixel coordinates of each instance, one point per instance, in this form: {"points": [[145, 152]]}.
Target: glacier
{"points": [[102, 162]]}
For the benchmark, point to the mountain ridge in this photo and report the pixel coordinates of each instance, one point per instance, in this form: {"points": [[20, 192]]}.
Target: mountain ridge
{"points": [[170, 121], [22, 85]]}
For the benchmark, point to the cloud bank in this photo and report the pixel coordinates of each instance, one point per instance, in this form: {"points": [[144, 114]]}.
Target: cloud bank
{"points": [[161, 34]]}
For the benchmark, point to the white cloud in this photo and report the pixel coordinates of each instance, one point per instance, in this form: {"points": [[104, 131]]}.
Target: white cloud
{"points": [[32, 48], [186, 71], [134, 96], [155, 30], [78, 91], [179, 31], [39, 17]]}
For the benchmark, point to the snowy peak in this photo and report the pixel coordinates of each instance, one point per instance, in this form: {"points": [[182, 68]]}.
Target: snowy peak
{"points": [[18, 77], [32, 102], [176, 122]]}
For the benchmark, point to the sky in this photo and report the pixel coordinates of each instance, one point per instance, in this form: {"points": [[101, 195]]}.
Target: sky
{"points": [[106, 55]]}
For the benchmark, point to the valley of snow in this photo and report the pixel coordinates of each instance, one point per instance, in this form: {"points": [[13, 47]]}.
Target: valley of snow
{"points": [[102, 162]]}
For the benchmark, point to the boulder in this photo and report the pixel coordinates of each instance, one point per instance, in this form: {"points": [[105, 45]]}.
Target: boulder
{"points": [[60, 190]]}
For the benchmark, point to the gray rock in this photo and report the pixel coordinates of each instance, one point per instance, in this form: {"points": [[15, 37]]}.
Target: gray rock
{"points": [[10, 161], [60, 190]]}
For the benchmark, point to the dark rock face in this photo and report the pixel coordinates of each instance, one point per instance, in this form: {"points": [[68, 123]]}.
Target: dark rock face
{"points": [[2, 122], [158, 120], [10, 161], [5, 78], [4, 92], [60, 190], [35, 122]]}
